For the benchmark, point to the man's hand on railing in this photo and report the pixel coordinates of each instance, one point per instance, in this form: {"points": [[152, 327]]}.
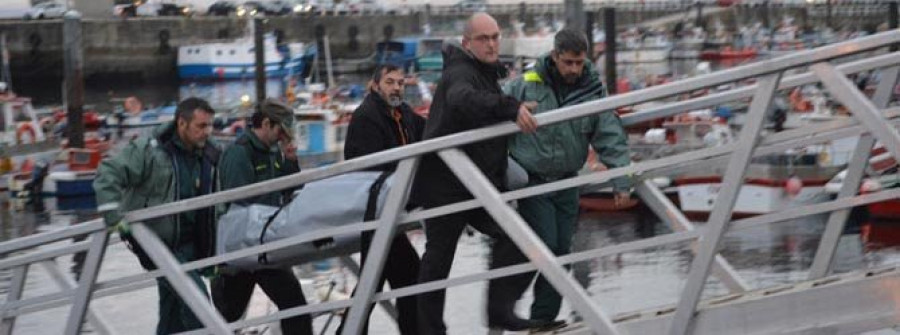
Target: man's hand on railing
{"points": [[123, 228], [525, 120]]}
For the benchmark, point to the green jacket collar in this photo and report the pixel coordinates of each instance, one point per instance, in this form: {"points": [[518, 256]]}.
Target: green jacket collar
{"points": [[588, 87], [257, 143]]}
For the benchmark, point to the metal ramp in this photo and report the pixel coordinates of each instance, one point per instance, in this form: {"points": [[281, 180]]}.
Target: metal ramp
{"points": [[851, 303]]}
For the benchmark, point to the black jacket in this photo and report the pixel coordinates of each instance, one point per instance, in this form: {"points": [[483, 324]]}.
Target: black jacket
{"points": [[373, 128], [467, 97]]}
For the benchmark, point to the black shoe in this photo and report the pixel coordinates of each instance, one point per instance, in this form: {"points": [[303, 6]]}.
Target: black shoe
{"points": [[549, 326], [517, 324]]}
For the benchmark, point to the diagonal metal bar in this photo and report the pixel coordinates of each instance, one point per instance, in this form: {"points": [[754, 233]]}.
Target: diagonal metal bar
{"points": [[40, 255], [17, 285], [525, 239], [385, 304], [721, 213], [52, 236], [860, 107], [85, 289], [381, 244], [671, 215], [183, 285], [836, 221], [65, 282], [765, 67]]}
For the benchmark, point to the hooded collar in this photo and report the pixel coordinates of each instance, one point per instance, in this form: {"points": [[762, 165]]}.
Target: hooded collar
{"points": [[454, 54]]}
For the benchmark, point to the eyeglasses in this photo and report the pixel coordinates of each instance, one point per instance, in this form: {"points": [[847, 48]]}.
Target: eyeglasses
{"points": [[486, 38]]}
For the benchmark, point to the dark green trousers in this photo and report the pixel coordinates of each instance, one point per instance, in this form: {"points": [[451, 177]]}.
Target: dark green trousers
{"points": [[553, 217], [174, 314]]}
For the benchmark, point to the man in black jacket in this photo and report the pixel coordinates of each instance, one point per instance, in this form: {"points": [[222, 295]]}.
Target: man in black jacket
{"points": [[383, 121], [469, 97]]}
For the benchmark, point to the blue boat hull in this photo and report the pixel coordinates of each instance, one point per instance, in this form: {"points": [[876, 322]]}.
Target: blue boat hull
{"points": [[240, 71]]}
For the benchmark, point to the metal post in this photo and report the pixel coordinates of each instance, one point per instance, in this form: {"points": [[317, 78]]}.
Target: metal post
{"points": [[574, 14], [259, 31], [721, 213], [893, 19], [17, 285], [5, 75], [669, 213], [386, 304], [609, 28], [73, 64], [698, 21], [828, 14], [180, 281], [835, 226], [381, 244], [328, 70], [65, 282], [526, 240], [590, 17], [845, 92], [82, 298]]}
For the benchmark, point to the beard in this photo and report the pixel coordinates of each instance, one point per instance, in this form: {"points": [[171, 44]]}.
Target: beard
{"points": [[394, 101]]}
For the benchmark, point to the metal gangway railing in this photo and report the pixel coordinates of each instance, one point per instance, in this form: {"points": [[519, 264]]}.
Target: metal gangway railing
{"points": [[872, 120]]}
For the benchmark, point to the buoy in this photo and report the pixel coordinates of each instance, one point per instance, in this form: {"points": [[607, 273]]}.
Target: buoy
{"points": [[27, 165], [869, 186], [25, 128], [793, 186]]}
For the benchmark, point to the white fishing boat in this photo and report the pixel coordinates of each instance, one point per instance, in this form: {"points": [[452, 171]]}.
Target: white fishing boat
{"points": [[237, 59]]}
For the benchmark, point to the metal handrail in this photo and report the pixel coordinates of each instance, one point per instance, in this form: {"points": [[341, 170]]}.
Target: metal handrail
{"points": [[492, 200]]}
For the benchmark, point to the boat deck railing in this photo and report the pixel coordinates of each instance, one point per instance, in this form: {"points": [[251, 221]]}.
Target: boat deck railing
{"points": [[871, 120]]}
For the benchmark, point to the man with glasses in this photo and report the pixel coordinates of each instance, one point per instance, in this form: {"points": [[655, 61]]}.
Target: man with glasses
{"points": [[255, 157], [177, 161], [469, 97], [565, 77]]}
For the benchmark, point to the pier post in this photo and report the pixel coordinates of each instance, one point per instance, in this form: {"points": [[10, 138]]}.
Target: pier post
{"points": [[609, 27], [574, 10], [259, 31], [5, 75], [893, 19], [73, 65], [698, 21], [590, 18]]}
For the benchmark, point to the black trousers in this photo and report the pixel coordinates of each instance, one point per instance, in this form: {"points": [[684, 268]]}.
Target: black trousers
{"points": [[231, 294], [401, 269], [443, 235]]}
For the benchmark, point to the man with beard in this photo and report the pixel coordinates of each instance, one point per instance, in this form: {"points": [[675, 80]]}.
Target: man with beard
{"points": [[383, 121], [256, 156], [558, 151], [177, 161], [468, 97]]}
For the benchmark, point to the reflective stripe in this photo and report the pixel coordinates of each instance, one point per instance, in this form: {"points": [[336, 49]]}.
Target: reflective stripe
{"points": [[108, 207], [532, 77]]}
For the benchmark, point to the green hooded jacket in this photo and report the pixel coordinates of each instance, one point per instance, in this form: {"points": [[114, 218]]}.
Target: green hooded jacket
{"points": [[250, 161], [141, 176], [560, 150]]}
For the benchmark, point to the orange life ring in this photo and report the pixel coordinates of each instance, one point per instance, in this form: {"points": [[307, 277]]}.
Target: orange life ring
{"points": [[22, 129]]}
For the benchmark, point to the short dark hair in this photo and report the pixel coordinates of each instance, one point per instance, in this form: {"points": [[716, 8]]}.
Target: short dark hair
{"points": [[186, 108], [383, 69], [268, 109], [570, 40]]}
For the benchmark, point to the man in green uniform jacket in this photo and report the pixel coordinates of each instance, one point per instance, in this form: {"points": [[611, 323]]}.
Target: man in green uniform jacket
{"points": [[177, 162], [563, 78], [256, 157]]}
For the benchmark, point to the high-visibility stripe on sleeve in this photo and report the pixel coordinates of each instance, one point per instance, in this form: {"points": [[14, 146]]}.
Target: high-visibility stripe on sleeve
{"points": [[108, 207]]}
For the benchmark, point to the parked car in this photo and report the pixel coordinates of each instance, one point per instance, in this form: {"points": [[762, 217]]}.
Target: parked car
{"points": [[251, 8], [171, 9], [46, 10], [471, 5], [278, 7], [222, 8]]}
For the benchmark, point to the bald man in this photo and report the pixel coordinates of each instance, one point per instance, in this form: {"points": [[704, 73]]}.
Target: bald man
{"points": [[468, 97]]}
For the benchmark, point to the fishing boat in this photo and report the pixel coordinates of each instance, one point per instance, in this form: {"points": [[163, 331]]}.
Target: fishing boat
{"points": [[320, 127], [237, 59]]}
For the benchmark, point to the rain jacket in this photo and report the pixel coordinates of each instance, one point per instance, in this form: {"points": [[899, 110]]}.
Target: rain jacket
{"points": [[143, 175], [250, 161], [467, 97], [374, 129], [559, 150]]}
